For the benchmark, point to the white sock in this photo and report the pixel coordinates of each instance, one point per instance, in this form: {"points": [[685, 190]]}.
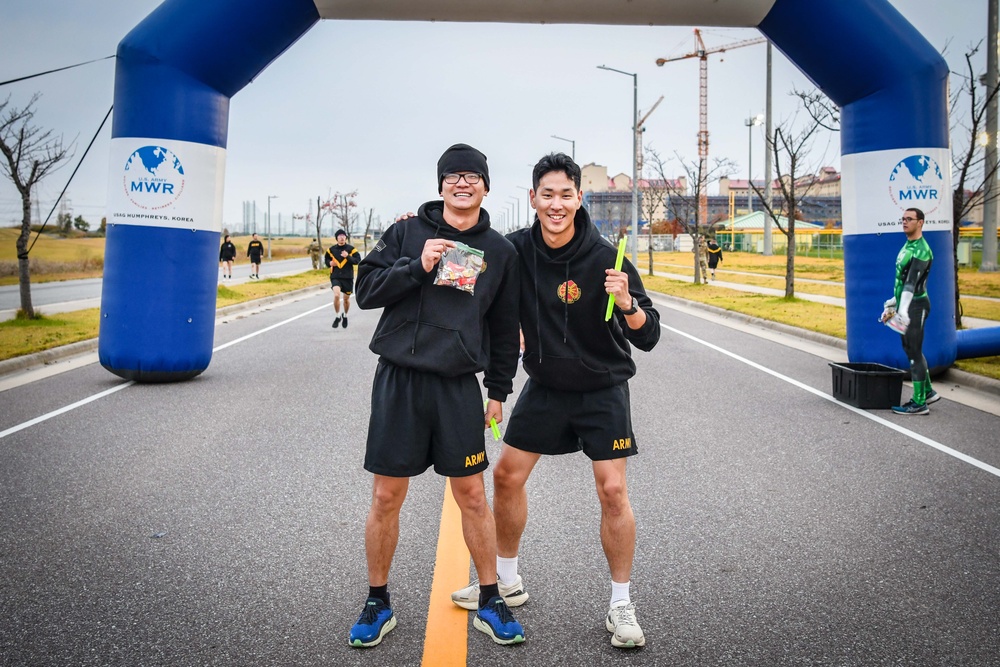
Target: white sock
{"points": [[507, 569], [619, 593]]}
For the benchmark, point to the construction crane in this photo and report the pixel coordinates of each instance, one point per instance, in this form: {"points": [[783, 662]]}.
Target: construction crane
{"points": [[702, 53], [639, 129]]}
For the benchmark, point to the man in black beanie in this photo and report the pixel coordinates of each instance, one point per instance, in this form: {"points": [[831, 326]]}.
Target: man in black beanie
{"points": [[438, 329]]}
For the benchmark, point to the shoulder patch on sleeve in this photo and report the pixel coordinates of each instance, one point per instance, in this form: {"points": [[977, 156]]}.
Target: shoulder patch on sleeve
{"points": [[380, 246]]}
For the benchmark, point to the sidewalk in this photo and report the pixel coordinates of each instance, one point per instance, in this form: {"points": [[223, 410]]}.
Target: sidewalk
{"points": [[969, 322]]}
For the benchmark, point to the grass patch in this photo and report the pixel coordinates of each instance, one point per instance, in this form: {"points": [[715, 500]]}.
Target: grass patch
{"points": [[23, 336], [819, 317], [988, 366]]}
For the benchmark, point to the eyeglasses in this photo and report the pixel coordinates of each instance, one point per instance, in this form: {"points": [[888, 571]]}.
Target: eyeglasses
{"points": [[908, 219], [471, 179]]}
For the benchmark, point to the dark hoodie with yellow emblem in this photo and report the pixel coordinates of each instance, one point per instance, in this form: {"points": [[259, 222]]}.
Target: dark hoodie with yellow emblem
{"points": [[567, 344], [435, 328]]}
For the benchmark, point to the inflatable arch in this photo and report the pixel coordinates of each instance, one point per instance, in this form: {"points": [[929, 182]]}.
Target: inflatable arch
{"points": [[178, 69]]}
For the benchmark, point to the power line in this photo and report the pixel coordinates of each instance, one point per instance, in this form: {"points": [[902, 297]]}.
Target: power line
{"points": [[32, 76]]}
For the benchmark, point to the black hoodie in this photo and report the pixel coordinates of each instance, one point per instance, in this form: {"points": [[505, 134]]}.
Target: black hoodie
{"points": [[436, 328], [567, 344]]}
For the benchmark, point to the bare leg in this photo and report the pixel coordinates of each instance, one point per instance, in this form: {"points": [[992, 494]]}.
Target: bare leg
{"points": [[347, 303], [336, 300], [510, 497], [477, 525], [382, 527], [617, 519]]}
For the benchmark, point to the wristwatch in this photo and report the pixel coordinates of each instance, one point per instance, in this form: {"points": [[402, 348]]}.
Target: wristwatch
{"points": [[633, 310]]}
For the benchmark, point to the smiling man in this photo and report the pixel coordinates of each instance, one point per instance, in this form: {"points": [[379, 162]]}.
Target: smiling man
{"points": [[576, 397], [435, 334]]}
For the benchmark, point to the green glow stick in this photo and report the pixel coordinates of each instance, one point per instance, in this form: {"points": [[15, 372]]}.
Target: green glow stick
{"points": [[618, 267], [493, 424]]}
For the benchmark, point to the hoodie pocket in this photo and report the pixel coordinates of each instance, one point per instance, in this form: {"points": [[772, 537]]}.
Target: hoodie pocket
{"points": [[566, 373], [428, 347]]}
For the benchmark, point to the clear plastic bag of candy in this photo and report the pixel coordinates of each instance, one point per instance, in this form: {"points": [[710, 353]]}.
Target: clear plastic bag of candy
{"points": [[460, 267]]}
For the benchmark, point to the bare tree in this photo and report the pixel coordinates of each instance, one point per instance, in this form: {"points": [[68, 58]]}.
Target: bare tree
{"points": [[975, 182], [30, 155], [790, 148], [685, 201], [341, 206], [654, 189]]}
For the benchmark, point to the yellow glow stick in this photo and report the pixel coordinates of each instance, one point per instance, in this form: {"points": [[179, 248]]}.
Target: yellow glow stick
{"points": [[618, 267], [493, 424]]}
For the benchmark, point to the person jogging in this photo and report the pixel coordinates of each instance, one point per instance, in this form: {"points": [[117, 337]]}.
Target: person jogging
{"points": [[341, 258]]}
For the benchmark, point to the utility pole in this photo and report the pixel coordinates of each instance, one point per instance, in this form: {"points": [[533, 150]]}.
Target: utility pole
{"points": [[768, 155], [989, 259]]}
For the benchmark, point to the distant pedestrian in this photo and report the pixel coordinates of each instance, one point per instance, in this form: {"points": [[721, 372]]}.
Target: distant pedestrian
{"points": [[700, 250], [314, 252], [227, 253], [255, 251], [714, 255], [341, 258]]}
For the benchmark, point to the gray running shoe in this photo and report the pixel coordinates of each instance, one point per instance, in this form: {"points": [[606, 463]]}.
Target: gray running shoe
{"points": [[468, 597], [624, 629]]}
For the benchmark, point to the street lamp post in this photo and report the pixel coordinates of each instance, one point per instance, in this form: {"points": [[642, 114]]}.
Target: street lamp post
{"points": [[517, 207], [269, 198], [527, 206], [751, 123], [635, 159], [570, 141]]}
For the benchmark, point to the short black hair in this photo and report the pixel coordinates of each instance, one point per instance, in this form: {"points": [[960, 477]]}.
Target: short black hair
{"points": [[920, 214], [556, 162]]}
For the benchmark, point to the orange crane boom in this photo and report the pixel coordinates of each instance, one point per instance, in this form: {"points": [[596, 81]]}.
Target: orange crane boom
{"points": [[702, 53]]}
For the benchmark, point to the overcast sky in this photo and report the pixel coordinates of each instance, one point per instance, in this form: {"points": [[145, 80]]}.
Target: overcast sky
{"points": [[370, 106]]}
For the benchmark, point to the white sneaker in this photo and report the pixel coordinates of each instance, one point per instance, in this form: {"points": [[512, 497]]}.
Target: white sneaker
{"points": [[468, 597], [621, 622]]}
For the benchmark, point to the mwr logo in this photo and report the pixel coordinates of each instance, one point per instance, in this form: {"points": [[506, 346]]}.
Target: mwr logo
{"points": [[917, 181], [154, 177]]}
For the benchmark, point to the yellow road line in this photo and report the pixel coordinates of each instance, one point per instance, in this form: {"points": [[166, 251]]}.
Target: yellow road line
{"points": [[446, 639]]}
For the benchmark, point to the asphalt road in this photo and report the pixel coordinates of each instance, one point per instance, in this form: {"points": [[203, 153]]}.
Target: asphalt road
{"points": [[220, 521]]}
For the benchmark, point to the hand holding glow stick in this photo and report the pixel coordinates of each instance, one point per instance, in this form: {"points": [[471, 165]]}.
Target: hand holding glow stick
{"points": [[618, 267], [493, 424]]}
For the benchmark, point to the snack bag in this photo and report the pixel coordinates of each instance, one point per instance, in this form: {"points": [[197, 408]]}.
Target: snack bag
{"points": [[460, 267]]}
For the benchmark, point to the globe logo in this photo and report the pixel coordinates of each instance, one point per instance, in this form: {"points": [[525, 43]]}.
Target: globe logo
{"points": [[916, 181], [154, 177]]}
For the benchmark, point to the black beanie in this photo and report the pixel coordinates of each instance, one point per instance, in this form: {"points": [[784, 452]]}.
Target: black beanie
{"points": [[339, 232], [463, 157]]}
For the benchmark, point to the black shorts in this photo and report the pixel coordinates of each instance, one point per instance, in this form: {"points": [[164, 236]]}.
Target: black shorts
{"points": [[255, 259], [421, 419], [549, 421], [346, 285]]}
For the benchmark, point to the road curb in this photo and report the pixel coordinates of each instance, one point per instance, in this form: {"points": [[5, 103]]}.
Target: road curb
{"points": [[56, 354]]}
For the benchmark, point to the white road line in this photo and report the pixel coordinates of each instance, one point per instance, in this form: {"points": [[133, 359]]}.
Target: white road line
{"points": [[126, 385], [878, 420], [73, 406]]}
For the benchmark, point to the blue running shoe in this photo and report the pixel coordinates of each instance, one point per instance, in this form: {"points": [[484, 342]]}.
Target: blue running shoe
{"points": [[910, 408], [497, 621], [375, 622]]}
